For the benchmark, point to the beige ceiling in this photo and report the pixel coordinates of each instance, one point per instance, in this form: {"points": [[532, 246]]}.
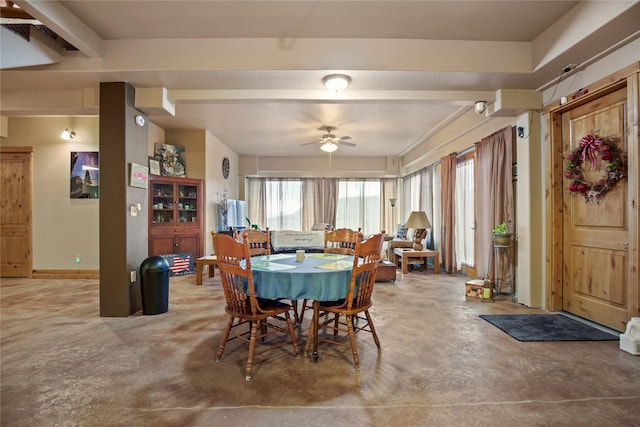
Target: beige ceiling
{"points": [[250, 71]]}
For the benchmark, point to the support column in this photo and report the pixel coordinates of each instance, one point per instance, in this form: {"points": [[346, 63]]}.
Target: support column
{"points": [[123, 237]]}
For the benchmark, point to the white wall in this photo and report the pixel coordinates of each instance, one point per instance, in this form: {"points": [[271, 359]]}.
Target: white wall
{"points": [[62, 227], [529, 232], [216, 185], [323, 165], [586, 74]]}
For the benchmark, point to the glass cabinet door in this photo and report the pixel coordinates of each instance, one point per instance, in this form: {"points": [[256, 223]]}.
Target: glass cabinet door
{"points": [[187, 203], [162, 203]]}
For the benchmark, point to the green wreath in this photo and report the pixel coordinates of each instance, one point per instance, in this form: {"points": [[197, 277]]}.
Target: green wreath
{"points": [[590, 148]]}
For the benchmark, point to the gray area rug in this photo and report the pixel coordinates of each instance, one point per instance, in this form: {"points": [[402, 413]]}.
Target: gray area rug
{"points": [[546, 327]]}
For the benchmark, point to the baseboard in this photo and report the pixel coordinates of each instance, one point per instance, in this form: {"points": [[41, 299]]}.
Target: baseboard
{"points": [[65, 274]]}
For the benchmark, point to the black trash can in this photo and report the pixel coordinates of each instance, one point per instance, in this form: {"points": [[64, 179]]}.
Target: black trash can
{"points": [[154, 279]]}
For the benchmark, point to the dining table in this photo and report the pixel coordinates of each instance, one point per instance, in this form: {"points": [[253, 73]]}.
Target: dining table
{"points": [[316, 276]]}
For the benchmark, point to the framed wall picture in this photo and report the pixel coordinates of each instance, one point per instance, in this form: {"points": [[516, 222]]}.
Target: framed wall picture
{"points": [[171, 159], [154, 165], [85, 175], [138, 175]]}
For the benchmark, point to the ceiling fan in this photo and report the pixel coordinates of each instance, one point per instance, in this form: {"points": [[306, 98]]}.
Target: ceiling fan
{"points": [[329, 142]]}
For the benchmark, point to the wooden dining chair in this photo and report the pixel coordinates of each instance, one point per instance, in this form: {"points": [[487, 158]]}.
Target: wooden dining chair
{"points": [[260, 244], [259, 240], [242, 303], [358, 300], [340, 241]]}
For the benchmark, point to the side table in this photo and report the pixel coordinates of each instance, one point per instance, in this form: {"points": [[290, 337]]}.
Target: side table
{"points": [[210, 261], [406, 255]]}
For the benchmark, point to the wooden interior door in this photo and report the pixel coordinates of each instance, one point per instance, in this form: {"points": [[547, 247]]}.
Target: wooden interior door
{"points": [[15, 212], [595, 235]]}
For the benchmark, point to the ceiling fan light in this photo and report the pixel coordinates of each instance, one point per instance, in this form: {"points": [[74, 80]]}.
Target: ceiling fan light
{"points": [[329, 147], [336, 82]]}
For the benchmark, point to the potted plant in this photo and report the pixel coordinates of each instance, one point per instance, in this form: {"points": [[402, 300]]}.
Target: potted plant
{"points": [[501, 236], [252, 226]]}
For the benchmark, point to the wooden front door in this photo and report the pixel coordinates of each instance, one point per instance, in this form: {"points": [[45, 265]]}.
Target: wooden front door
{"points": [[15, 212], [596, 234]]}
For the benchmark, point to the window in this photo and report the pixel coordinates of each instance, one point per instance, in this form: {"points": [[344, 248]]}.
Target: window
{"points": [[465, 214], [359, 205], [284, 204]]}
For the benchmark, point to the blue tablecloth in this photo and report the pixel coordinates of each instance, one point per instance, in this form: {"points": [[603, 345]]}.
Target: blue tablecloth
{"points": [[307, 280]]}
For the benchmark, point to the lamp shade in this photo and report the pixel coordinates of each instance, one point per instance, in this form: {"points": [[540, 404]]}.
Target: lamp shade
{"points": [[418, 220]]}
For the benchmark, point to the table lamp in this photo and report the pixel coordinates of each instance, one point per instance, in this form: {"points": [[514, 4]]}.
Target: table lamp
{"points": [[418, 220]]}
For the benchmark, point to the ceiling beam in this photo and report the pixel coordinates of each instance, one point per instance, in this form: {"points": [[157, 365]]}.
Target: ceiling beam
{"points": [[58, 19], [209, 96]]}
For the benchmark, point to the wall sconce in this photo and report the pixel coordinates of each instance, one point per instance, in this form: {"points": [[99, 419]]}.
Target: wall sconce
{"points": [[481, 107], [336, 82], [67, 136]]}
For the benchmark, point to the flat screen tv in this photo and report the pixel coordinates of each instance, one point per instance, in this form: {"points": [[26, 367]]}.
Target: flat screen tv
{"points": [[236, 213]]}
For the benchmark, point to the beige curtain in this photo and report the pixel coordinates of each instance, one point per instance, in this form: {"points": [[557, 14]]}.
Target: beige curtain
{"points": [[426, 201], [257, 201], [312, 202], [330, 200], [495, 191], [448, 181]]}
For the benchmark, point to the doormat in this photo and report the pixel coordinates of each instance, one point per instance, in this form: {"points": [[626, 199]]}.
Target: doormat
{"points": [[546, 327]]}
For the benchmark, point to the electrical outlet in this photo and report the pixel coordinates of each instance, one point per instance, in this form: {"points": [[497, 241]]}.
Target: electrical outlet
{"points": [[133, 276], [77, 258]]}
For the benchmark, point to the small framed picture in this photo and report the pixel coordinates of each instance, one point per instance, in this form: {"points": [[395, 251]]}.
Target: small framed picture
{"points": [[138, 175], [154, 165]]}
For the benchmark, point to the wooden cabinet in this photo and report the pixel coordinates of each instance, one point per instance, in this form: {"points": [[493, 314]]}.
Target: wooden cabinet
{"points": [[175, 216]]}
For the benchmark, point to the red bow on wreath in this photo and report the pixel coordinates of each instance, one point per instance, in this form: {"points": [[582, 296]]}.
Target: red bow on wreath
{"points": [[590, 146]]}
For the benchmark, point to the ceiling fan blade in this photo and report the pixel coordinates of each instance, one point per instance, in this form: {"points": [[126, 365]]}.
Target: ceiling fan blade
{"points": [[342, 138], [309, 143], [348, 144]]}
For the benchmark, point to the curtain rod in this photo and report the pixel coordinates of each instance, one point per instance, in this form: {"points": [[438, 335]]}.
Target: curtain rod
{"points": [[466, 151]]}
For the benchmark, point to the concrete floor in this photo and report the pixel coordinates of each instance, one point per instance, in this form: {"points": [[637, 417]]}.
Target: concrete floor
{"points": [[440, 365]]}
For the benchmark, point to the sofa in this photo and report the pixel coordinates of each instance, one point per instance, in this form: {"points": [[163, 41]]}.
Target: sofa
{"points": [[288, 241]]}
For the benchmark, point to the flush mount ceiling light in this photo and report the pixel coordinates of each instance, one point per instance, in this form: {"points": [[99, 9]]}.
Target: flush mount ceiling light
{"points": [[66, 135], [336, 82], [329, 146], [481, 107]]}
